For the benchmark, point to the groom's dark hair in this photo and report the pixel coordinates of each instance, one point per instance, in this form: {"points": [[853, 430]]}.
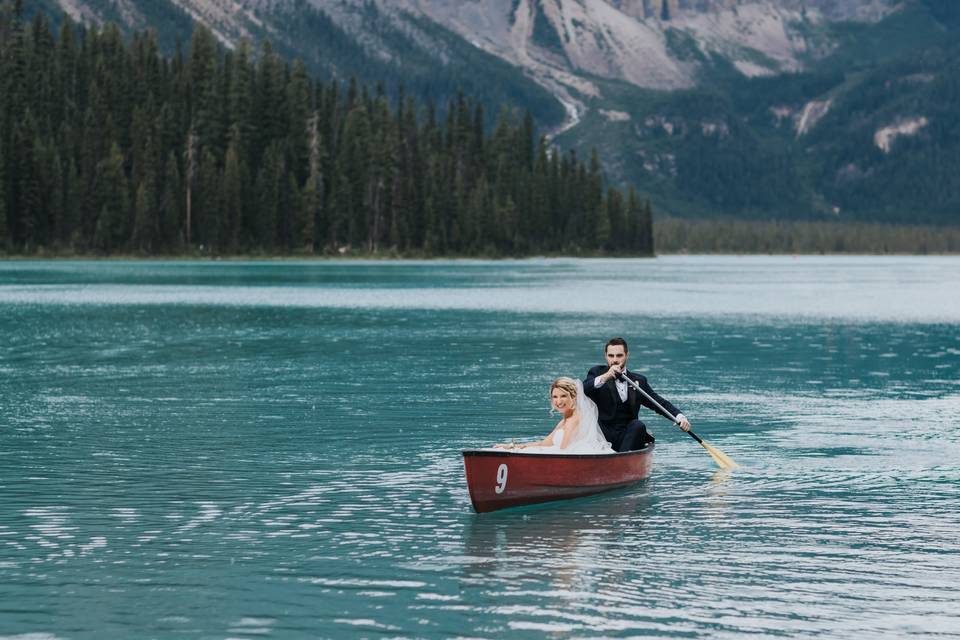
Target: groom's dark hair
{"points": [[614, 341]]}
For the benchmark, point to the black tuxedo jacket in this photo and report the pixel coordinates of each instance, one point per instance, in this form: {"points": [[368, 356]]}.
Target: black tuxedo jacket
{"points": [[607, 398]]}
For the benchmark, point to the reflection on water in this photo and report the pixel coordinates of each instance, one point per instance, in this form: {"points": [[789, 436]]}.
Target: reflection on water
{"points": [[294, 470]]}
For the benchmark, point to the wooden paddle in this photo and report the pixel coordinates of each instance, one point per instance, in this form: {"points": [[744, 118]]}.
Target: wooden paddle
{"points": [[722, 459]]}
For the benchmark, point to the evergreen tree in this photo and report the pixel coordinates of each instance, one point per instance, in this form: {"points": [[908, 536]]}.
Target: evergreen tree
{"points": [[27, 193], [205, 98], [209, 220], [56, 184], [171, 208], [235, 178], [645, 245], [595, 206], [69, 231], [354, 168], [312, 213], [506, 216], [270, 180], [110, 189], [299, 111], [4, 239], [615, 216], [240, 100], [145, 223]]}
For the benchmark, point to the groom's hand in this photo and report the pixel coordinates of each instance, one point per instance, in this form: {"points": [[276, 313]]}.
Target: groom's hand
{"points": [[613, 372]]}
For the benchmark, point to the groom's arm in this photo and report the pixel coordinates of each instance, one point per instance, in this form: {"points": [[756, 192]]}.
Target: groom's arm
{"points": [[590, 384], [666, 404]]}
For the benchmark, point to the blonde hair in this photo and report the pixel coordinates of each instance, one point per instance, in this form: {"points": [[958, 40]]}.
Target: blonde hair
{"points": [[565, 384]]}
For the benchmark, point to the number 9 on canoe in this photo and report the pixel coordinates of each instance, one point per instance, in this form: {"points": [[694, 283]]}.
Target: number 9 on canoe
{"points": [[501, 478]]}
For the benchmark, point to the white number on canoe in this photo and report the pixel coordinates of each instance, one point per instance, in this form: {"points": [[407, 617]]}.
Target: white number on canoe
{"points": [[501, 478]]}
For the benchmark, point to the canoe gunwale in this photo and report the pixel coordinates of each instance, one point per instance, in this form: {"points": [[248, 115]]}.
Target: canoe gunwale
{"points": [[554, 456]]}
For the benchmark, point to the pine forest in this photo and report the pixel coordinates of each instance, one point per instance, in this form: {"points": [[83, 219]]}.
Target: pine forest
{"points": [[109, 147]]}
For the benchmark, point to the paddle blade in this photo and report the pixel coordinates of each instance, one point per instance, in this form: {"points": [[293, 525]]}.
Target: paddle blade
{"points": [[722, 459]]}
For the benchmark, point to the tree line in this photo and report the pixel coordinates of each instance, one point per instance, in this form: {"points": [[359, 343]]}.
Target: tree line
{"points": [[107, 146], [674, 235]]}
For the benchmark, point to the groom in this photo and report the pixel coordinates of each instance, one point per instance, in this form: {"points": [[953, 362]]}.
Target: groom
{"points": [[618, 402]]}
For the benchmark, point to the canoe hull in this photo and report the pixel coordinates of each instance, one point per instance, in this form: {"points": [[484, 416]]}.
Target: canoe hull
{"points": [[501, 479]]}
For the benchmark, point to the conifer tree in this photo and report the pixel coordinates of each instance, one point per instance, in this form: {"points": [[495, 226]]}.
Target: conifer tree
{"points": [[203, 83], [55, 184], [110, 189], [233, 197], [4, 239], [299, 111], [70, 234], [646, 246], [616, 218], [240, 100], [192, 161], [312, 213], [27, 200], [209, 219], [354, 167], [269, 182], [506, 214], [145, 227], [172, 205], [341, 203], [599, 218]]}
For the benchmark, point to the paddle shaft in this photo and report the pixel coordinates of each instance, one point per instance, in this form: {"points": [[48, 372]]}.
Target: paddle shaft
{"points": [[658, 406]]}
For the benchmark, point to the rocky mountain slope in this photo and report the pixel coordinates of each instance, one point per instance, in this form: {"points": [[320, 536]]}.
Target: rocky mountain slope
{"points": [[561, 44]]}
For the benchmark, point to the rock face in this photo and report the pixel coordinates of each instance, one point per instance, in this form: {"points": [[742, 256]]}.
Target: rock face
{"points": [[655, 44], [636, 40], [669, 9], [631, 40]]}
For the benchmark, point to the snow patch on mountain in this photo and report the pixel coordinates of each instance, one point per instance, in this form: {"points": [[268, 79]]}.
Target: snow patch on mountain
{"points": [[884, 137], [812, 113]]}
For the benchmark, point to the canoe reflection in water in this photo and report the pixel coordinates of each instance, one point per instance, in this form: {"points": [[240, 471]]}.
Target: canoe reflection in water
{"points": [[575, 543]]}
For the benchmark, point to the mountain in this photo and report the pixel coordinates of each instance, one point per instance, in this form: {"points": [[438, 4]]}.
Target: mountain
{"points": [[751, 108]]}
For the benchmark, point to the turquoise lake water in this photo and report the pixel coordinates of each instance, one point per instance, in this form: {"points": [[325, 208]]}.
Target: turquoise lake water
{"points": [[249, 450]]}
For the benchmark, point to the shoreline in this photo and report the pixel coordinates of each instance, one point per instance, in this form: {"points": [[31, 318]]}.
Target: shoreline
{"points": [[465, 258]]}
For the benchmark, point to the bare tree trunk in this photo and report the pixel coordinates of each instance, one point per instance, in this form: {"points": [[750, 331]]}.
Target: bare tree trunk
{"points": [[316, 179], [191, 171]]}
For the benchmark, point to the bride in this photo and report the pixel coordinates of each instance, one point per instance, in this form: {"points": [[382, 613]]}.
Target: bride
{"points": [[577, 431]]}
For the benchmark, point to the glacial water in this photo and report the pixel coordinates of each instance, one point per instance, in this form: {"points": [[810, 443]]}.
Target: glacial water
{"points": [[272, 450]]}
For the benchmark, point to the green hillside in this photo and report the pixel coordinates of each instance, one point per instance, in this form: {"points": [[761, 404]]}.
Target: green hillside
{"points": [[731, 146]]}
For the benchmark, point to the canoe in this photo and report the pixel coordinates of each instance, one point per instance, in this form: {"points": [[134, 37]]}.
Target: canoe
{"points": [[500, 479]]}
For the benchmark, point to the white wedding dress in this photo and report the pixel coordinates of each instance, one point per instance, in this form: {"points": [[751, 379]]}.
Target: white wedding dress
{"points": [[588, 438]]}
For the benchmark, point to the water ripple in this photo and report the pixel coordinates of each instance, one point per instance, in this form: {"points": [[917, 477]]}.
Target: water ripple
{"points": [[280, 470]]}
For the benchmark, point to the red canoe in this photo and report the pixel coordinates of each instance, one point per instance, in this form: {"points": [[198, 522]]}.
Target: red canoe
{"points": [[500, 479]]}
